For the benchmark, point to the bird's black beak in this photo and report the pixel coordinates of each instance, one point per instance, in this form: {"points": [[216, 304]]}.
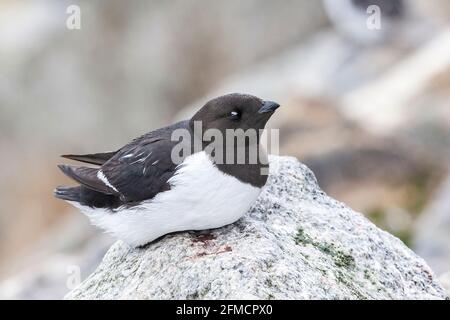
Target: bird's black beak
{"points": [[268, 106]]}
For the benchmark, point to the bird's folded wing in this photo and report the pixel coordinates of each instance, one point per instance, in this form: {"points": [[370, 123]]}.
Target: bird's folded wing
{"points": [[89, 177], [137, 172], [140, 171]]}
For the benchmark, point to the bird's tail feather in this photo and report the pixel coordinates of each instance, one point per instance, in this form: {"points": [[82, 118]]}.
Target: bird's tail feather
{"points": [[95, 158], [68, 193]]}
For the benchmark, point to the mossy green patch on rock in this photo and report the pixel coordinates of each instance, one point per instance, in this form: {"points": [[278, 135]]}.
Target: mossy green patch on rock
{"points": [[340, 258], [345, 275]]}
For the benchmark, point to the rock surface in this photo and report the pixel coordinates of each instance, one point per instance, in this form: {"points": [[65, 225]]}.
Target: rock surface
{"points": [[294, 243]]}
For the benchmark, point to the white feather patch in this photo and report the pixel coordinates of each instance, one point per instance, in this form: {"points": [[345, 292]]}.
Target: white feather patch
{"points": [[127, 156], [105, 180]]}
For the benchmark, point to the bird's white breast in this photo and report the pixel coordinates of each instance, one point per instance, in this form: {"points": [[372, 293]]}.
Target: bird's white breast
{"points": [[201, 197]]}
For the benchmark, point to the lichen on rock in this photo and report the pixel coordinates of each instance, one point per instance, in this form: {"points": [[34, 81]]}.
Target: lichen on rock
{"points": [[294, 243]]}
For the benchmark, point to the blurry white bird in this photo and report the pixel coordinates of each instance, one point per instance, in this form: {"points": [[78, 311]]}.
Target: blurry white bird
{"points": [[353, 18]]}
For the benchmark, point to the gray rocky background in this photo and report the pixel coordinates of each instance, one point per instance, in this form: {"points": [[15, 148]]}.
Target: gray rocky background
{"points": [[370, 118]]}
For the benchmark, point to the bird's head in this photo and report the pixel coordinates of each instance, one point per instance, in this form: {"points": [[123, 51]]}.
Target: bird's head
{"points": [[235, 111]]}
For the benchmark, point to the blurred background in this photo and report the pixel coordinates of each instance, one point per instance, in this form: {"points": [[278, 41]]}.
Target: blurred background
{"points": [[368, 110]]}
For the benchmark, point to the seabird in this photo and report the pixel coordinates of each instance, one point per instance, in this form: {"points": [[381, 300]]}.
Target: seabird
{"points": [[350, 17], [139, 193]]}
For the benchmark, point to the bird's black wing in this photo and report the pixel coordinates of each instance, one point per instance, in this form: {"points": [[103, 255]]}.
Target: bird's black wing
{"points": [[136, 172], [140, 171], [88, 177]]}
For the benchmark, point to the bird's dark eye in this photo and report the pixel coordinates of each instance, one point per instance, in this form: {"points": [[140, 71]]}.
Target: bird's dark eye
{"points": [[235, 115]]}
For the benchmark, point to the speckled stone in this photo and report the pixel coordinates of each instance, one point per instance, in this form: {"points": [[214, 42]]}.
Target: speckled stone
{"points": [[294, 243]]}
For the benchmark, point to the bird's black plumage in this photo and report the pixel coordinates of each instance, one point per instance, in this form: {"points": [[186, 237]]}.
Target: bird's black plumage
{"points": [[138, 171], [88, 197], [87, 177], [141, 169]]}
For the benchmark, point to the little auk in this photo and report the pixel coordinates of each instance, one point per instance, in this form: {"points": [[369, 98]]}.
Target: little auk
{"points": [[138, 193]]}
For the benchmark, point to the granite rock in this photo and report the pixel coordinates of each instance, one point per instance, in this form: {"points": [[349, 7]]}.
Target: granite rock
{"points": [[294, 243]]}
